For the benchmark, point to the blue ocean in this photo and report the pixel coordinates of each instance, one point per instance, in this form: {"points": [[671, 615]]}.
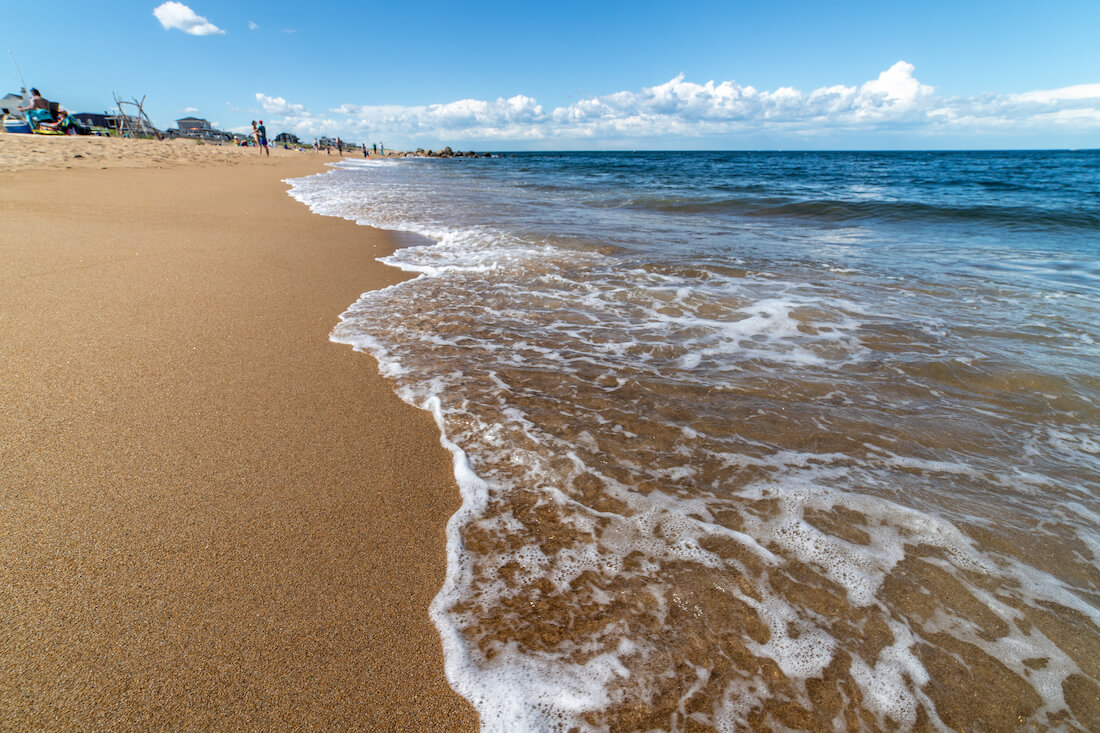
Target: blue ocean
{"points": [[754, 440]]}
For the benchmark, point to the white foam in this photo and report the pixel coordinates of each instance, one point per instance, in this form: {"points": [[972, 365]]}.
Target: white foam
{"points": [[490, 303], [892, 686]]}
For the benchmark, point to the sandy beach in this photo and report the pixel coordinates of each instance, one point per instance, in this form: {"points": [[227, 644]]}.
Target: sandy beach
{"points": [[211, 517]]}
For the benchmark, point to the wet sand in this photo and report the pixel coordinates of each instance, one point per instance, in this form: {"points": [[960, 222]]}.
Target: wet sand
{"points": [[211, 517]]}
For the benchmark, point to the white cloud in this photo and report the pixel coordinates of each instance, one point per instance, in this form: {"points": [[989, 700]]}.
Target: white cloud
{"points": [[190, 110], [897, 85], [1073, 116], [180, 17], [1050, 96], [279, 106], [252, 26], [895, 101]]}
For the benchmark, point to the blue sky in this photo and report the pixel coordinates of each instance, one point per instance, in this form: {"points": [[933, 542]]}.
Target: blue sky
{"points": [[585, 75]]}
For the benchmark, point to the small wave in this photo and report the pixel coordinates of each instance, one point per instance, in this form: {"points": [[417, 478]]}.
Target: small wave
{"points": [[843, 212]]}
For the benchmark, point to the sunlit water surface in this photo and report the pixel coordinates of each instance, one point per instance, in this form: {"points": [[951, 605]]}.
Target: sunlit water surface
{"points": [[755, 440]]}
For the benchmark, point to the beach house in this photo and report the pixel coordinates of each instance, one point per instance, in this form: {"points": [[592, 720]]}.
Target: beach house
{"points": [[11, 102], [197, 127]]}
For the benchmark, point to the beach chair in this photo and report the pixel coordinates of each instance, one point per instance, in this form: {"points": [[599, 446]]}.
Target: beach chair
{"points": [[40, 121]]}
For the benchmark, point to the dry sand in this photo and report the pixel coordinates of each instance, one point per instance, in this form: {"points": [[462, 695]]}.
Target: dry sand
{"points": [[38, 152], [211, 517]]}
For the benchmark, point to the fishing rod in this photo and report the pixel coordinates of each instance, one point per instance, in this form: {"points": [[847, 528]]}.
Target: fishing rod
{"points": [[18, 71]]}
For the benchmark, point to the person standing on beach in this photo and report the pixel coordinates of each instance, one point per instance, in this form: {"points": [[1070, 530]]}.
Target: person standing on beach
{"points": [[262, 131], [340, 147], [365, 151]]}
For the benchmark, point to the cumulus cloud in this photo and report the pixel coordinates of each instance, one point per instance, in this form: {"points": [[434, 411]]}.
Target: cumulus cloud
{"points": [[190, 110], [252, 25], [897, 85], [173, 15], [681, 109], [679, 105], [279, 106]]}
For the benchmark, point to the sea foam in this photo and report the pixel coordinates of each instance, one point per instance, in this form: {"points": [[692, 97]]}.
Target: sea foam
{"points": [[730, 472]]}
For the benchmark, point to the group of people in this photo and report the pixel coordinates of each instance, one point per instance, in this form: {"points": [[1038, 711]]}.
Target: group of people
{"points": [[340, 148], [259, 134], [38, 113], [328, 148]]}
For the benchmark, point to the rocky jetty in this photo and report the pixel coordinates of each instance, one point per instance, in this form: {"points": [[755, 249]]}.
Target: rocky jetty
{"points": [[445, 153]]}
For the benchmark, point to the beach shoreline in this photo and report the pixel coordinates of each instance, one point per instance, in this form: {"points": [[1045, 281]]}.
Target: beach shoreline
{"points": [[715, 423], [214, 517]]}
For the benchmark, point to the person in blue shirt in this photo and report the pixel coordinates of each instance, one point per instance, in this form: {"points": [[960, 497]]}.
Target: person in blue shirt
{"points": [[263, 138]]}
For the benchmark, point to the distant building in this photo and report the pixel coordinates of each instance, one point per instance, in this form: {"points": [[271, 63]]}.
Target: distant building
{"points": [[198, 128], [286, 137], [193, 126], [11, 102]]}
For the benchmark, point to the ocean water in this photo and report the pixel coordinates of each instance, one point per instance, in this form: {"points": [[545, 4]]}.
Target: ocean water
{"points": [[764, 441]]}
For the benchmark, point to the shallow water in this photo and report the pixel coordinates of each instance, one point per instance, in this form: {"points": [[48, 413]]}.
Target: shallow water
{"points": [[755, 440]]}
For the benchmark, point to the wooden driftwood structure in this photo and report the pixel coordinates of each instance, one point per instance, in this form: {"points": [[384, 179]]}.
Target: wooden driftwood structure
{"points": [[135, 124]]}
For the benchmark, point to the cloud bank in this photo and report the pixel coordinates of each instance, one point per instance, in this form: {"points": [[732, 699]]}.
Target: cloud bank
{"points": [[894, 102], [177, 16]]}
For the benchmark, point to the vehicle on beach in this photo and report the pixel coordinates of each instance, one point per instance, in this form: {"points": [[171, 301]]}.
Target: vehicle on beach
{"points": [[14, 123]]}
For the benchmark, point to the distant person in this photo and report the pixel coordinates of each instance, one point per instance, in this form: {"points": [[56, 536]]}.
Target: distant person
{"points": [[365, 151], [374, 147], [340, 147], [382, 147], [316, 146], [37, 101], [64, 123], [263, 138], [37, 112]]}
